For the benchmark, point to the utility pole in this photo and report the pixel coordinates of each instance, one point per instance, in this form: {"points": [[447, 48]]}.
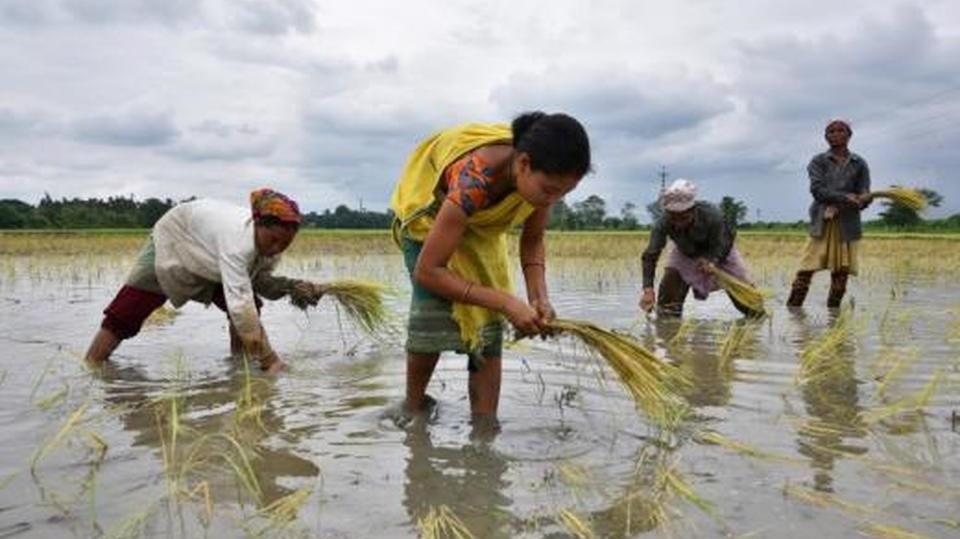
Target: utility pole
{"points": [[663, 178]]}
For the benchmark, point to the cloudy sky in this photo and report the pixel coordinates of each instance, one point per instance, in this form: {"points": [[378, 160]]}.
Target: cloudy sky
{"points": [[323, 99]]}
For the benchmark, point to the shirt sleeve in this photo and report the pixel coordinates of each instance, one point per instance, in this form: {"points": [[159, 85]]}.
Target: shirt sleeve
{"points": [[238, 291], [658, 240], [270, 286], [863, 185], [819, 186], [469, 184]]}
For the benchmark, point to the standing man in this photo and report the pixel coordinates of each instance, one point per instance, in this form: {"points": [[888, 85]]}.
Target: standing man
{"points": [[840, 185]]}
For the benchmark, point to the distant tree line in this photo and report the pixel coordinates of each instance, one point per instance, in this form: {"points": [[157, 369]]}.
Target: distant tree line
{"points": [[113, 212], [588, 214]]}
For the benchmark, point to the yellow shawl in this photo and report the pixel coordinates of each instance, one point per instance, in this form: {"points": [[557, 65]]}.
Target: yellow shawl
{"points": [[481, 256]]}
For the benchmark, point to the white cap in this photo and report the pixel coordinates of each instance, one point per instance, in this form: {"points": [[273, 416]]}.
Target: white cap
{"points": [[679, 196]]}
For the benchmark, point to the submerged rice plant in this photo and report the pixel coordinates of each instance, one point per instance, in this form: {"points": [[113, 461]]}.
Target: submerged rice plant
{"points": [[715, 438], [441, 522], [819, 360], [913, 402], [575, 525], [883, 531], [825, 500]]}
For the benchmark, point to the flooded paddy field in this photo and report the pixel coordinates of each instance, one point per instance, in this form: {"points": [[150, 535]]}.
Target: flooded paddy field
{"points": [[808, 423]]}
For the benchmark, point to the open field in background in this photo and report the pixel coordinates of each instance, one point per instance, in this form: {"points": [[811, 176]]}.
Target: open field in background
{"points": [[809, 423]]}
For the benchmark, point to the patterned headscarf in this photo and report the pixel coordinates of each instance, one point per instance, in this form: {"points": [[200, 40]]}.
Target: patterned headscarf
{"points": [[679, 196], [267, 202]]}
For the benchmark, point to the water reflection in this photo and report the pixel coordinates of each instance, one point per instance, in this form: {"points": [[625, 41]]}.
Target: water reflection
{"points": [[832, 404], [705, 352], [468, 479], [208, 411]]}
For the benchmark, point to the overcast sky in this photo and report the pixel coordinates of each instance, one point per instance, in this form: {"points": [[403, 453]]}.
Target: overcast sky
{"points": [[324, 99]]}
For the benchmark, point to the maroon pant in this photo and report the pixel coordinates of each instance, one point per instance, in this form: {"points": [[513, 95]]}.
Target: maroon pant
{"points": [[125, 315]]}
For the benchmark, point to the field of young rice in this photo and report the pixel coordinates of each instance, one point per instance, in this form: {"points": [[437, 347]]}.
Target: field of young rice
{"points": [[806, 423]]}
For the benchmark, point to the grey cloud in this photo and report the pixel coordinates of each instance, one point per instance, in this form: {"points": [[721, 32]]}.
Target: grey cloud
{"points": [[869, 73], [26, 12], [36, 12], [272, 18], [17, 122], [213, 140], [617, 102], [162, 11], [275, 16], [130, 128]]}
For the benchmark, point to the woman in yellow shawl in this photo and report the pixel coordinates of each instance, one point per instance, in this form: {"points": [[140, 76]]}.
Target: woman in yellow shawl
{"points": [[461, 193]]}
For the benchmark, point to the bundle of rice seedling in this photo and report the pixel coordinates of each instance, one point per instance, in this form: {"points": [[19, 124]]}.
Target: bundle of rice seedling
{"points": [[744, 292], [362, 300], [441, 522], [911, 198], [653, 384]]}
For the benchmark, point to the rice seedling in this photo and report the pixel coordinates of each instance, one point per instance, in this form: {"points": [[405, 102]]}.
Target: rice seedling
{"points": [[52, 399], [911, 198], [134, 525], [819, 360], [736, 340], [362, 301], [202, 490], [741, 291], [249, 405], [68, 427], [686, 325], [825, 500], [6, 480], [883, 531], [281, 513], [674, 483], [909, 403], [652, 383], [573, 475], [440, 522], [574, 524], [715, 438], [892, 364]]}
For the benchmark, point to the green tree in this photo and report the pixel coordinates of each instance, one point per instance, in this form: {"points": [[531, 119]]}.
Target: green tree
{"points": [[898, 215], [591, 211], [628, 216], [733, 210]]}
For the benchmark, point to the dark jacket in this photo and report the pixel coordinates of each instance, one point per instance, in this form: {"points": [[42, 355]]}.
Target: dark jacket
{"points": [[709, 236], [830, 182]]}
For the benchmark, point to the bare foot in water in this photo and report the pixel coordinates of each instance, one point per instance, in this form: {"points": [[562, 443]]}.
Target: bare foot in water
{"points": [[402, 416]]}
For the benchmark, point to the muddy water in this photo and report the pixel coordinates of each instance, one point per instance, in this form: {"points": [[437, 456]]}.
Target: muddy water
{"points": [[95, 454]]}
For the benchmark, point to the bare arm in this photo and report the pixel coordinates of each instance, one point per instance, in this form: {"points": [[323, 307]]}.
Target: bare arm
{"points": [[533, 261], [658, 240], [431, 272]]}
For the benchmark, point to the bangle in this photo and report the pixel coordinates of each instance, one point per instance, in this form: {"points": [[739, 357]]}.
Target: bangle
{"points": [[534, 263], [466, 293]]}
